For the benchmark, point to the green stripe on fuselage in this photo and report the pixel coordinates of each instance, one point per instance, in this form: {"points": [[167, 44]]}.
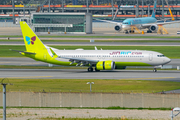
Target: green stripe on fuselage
{"points": [[131, 64]]}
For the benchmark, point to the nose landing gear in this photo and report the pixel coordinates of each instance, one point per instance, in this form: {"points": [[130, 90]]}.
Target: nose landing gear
{"points": [[154, 70]]}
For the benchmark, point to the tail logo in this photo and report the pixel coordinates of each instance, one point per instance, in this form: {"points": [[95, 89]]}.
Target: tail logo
{"points": [[30, 40]]}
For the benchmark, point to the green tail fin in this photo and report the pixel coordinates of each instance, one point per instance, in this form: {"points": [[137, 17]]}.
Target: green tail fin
{"points": [[32, 42]]}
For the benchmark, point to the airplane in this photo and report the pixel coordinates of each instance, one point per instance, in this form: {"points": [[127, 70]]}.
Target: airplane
{"points": [[150, 23], [98, 59]]}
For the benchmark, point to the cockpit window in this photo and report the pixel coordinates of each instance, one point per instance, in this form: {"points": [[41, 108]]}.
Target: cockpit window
{"points": [[160, 56], [125, 22]]}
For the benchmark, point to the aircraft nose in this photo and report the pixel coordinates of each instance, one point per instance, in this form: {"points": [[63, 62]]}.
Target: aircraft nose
{"points": [[167, 60]]}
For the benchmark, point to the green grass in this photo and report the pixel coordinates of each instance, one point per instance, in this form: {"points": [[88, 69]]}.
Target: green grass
{"points": [[139, 41], [53, 118], [113, 36], [109, 108], [79, 85], [169, 51]]}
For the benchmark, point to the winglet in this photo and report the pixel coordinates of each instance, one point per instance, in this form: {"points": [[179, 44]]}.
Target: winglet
{"points": [[95, 48], [54, 54]]}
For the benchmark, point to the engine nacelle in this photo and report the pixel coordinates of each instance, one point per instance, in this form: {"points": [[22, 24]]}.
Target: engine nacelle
{"points": [[105, 65], [153, 28], [118, 27]]}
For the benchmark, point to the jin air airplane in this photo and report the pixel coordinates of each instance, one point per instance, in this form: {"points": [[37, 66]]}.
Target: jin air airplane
{"points": [[150, 23], [93, 59]]}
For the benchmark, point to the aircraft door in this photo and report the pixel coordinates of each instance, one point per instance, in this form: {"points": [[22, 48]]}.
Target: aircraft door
{"points": [[150, 57]]}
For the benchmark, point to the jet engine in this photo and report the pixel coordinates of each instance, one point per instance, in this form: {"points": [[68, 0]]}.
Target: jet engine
{"points": [[153, 28], [118, 27], [105, 65]]}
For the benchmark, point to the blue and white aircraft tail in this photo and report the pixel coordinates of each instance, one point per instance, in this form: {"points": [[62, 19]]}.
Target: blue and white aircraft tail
{"points": [[149, 23], [154, 10]]}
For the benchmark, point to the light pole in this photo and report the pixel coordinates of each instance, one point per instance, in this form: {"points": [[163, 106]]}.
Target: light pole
{"points": [[177, 109], [90, 85], [4, 97]]}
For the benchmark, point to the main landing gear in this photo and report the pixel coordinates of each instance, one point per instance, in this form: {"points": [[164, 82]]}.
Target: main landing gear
{"points": [[149, 31], [126, 32], [90, 69], [154, 70]]}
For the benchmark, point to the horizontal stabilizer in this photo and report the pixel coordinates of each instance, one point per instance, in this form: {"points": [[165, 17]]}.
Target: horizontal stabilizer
{"points": [[22, 51]]}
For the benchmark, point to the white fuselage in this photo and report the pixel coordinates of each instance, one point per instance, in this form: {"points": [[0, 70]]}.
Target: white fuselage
{"points": [[125, 56]]}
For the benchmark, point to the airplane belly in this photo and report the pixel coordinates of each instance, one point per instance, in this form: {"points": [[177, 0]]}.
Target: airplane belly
{"points": [[120, 63]]}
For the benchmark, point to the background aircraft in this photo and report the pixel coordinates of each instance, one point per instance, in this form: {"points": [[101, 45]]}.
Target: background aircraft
{"points": [[151, 23], [99, 59]]}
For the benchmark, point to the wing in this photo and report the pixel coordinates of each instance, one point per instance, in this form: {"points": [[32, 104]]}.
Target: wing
{"points": [[164, 23], [159, 23], [109, 21], [81, 62]]}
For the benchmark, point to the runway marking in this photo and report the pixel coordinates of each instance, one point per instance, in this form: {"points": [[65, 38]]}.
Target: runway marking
{"points": [[32, 77], [147, 78]]}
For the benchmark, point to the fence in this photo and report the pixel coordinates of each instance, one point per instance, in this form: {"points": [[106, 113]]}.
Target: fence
{"points": [[31, 99]]}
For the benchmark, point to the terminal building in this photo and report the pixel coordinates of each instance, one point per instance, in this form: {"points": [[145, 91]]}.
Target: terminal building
{"points": [[104, 9], [70, 23]]}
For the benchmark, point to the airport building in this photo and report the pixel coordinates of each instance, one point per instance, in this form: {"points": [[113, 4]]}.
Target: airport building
{"points": [[104, 9], [72, 23]]}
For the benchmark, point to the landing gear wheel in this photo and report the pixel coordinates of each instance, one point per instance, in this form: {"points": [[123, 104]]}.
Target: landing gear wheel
{"points": [[90, 69], [97, 70], [155, 70], [126, 32], [149, 31]]}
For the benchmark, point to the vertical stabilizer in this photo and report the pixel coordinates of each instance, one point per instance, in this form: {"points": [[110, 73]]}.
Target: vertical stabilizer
{"points": [[32, 42], [154, 10]]}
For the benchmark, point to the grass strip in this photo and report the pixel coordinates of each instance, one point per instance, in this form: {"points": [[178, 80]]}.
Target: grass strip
{"points": [[109, 108], [139, 41], [79, 85], [84, 36], [169, 51], [94, 118]]}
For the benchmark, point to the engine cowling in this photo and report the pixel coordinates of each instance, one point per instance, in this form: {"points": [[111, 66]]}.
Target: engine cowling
{"points": [[153, 28], [118, 27], [105, 65]]}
